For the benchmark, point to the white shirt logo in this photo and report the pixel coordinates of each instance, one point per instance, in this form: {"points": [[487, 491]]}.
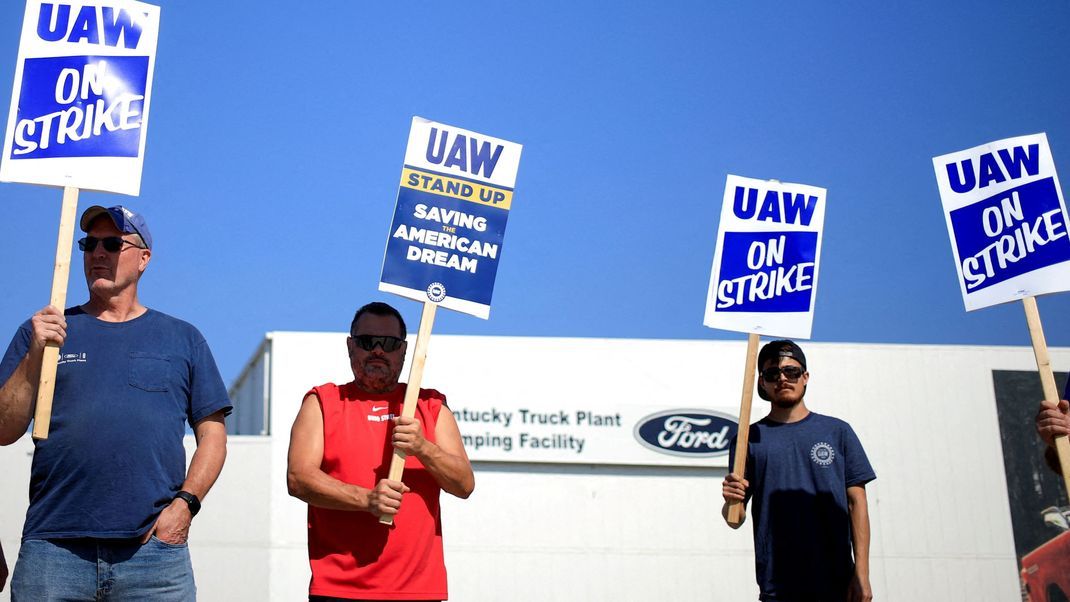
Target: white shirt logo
{"points": [[67, 358], [822, 454]]}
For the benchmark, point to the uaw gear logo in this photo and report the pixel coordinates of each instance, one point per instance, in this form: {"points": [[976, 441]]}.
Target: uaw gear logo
{"points": [[436, 291], [822, 454], [688, 433]]}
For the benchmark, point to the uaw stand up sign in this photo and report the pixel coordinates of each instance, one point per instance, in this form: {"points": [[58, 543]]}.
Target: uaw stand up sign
{"points": [[78, 118], [448, 229], [764, 276], [1007, 221]]}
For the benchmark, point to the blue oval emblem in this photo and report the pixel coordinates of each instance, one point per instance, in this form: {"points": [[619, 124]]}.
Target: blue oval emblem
{"points": [[690, 433]]}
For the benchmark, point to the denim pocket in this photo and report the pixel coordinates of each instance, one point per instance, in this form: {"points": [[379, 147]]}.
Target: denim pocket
{"points": [[149, 371], [163, 543]]}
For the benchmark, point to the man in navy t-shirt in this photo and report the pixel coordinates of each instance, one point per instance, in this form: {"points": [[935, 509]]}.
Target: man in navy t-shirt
{"points": [[806, 484], [111, 500]]}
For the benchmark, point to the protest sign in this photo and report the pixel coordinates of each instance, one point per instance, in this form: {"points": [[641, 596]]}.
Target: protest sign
{"points": [[447, 232], [449, 220], [1007, 221], [764, 276], [80, 100], [78, 118]]}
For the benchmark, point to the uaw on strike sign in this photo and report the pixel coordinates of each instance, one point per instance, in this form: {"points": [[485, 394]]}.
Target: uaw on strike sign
{"points": [[764, 276], [449, 221], [1007, 220], [80, 101]]}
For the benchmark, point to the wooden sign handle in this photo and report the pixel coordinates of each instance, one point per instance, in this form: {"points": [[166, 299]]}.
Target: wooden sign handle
{"points": [[1047, 380], [739, 467], [412, 390], [46, 386]]}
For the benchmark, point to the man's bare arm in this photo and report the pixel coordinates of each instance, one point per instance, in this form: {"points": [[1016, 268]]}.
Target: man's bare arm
{"points": [[858, 507], [19, 394], [306, 481], [207, 461], [1053, 420], [211, 433], [733, 490]]}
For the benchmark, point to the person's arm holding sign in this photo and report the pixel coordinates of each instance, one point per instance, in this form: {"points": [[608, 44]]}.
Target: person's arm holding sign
{"points": [[858, 507], [18, 393], [1029, 200], [307, 482], [1053, 420], [446, 459], [734, 490]]}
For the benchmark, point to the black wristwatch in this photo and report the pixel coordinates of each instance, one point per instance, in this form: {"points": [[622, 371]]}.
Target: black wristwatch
{"points": [[191, 500]]}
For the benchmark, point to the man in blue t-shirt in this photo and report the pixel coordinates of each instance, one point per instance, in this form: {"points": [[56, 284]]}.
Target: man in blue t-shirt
{"points": [[806, 483], [111, 500]]}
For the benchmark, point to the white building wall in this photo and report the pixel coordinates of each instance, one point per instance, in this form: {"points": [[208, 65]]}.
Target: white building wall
{"points": [[543, 531]]}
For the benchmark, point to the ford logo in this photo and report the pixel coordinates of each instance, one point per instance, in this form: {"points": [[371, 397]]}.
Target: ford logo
{"points": [[690, 433]]}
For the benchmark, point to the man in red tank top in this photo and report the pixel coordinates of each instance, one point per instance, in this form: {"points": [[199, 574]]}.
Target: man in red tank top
{"points": [[340, 450]]}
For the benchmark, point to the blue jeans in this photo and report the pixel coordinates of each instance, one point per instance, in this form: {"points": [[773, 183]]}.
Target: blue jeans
{"points": [[56, 570]]}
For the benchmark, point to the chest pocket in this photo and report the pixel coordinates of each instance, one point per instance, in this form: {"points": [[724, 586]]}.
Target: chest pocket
{"points": [[149, 371]]}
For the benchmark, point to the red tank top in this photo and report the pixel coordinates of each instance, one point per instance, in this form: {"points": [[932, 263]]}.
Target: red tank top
{"points": [[352, 555]]}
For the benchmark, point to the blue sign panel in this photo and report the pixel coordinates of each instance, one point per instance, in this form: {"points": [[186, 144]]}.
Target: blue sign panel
{"points": [[1010, 234], [767, 271], [444, 246], [81, 106]]}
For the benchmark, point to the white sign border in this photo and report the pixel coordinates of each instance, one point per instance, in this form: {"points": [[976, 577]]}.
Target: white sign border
{"points": [[120, 175], [793, 325], [509, 164], [1041, 281]]}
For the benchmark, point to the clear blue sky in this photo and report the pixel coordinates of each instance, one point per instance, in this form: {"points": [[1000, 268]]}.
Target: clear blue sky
{"points": [[278, 130]]}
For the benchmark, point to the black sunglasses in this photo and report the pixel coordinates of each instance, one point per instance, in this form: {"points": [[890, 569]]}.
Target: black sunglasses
{"points": [[791, 373], [368, 342], [111, 244]]}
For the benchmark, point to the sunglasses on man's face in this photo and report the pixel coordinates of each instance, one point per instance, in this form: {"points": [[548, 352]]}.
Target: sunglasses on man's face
{"points": [[791, 373], [112, 244], [368, 342]]}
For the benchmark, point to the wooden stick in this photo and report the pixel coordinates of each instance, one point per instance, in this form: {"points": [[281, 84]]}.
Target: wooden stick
{"points": [[1047, 380], [412, 390], [46, 386], [739, 467]]}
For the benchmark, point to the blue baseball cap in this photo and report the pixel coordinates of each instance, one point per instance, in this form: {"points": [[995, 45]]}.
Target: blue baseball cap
{"points": [[127, 221]]}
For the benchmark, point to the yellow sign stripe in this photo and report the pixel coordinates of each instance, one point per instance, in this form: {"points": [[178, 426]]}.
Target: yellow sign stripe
{"points": [[484, 194]]}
